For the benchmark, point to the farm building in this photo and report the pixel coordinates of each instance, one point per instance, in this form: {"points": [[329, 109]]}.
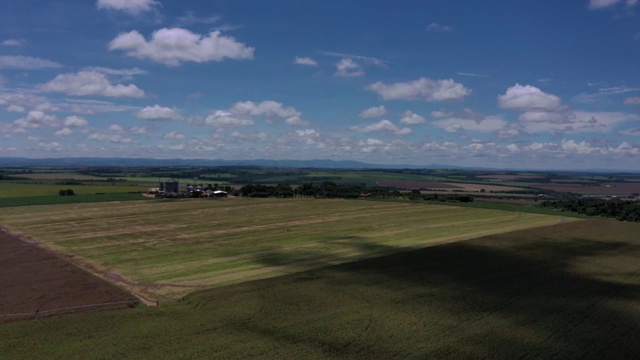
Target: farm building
{"points": [[170, 186], [220, 193]]}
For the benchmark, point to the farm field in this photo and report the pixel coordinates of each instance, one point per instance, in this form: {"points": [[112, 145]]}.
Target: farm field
{"points": [[564, 291], [166, 249], [13, 189], [612, 188], [58, 176]]}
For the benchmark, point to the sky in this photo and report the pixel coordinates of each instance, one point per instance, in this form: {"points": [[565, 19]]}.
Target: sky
{"points": [[542, 84]]}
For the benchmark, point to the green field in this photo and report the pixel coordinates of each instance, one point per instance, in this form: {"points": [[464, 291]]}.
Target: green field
{"points": [[14, 189], [166, 249], [568, 291]]}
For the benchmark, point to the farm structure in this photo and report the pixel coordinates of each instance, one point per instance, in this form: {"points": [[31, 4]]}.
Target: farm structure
{"points": [[170, 186]]}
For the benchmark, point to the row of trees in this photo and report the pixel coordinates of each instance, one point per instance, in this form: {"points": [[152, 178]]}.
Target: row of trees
{"points": [[618, 209]]}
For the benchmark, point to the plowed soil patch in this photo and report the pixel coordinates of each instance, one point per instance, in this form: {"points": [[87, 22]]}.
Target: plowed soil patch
{"points": [[36, 283]]}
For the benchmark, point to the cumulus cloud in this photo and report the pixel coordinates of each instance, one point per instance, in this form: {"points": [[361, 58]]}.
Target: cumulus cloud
{"points": [[90, 83], [226, 118], [115, 128], [368, 59], [174, 136], [36, 119], [117, 138], [528, 97], [296, 121], [16, 108], [75, 121], [422, 89], [411, 118], [52, 146], [435, 27], [139, 130], [133, 7], [63, 132], [305, 61], [269, 108], [486, 124], [348, 68], [440, 114], [373, 112], [383, 125], [172, 46], [26, 63], [157, 112]]}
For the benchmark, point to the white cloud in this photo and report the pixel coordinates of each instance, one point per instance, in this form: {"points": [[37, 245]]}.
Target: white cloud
{"points": [[257, 136], [307, 132], [528, 97], [36, 119], [632, 101], [177, 147], [16, 108], [296, 121], [367, 59], [348, 68], [75, 121], [383, 125], [270, 108], [157, 112], [13, 42], [138, 130], [486, 124], [411, 118], [63, 132], [52, 146], [574, 121], [109, 71], [133, 7], [26, 63], [174, 136], [373, 112], [116, 128], [305, 61], [421, 89], [601, 4], [176, 45], [90, 83], [226, 118], [117, 138], [435, 27], [440, 114]]}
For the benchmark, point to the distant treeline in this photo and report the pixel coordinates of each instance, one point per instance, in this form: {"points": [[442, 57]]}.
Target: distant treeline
{"points": [[329, 189], [618, 209]]}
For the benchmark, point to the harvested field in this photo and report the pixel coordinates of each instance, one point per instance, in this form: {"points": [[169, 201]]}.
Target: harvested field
{"points": [[408, 184], [509, 177], [596, 189], [568, 291], [166, 249], [447, 186], [36, 283], [58, 176]]}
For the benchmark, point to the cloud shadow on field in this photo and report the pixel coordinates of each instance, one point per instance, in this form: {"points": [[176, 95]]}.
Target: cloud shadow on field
{"points": [[569, 291]]}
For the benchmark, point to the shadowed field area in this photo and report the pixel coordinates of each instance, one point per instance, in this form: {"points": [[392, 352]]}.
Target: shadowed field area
{"points": [[166, 249], [565, 291]]}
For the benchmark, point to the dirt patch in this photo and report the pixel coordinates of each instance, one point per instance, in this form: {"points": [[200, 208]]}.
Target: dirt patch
{"points": [[36, 283]]}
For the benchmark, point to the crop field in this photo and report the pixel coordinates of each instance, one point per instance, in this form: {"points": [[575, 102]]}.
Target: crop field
{"points": [[166, 249], [596, 189], [12, 189], [58, 176], [567, 291]]}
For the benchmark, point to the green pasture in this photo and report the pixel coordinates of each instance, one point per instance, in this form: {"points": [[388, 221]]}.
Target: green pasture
{"points": [[168, 248], [10, 189], [567, 291], [57, 199]]}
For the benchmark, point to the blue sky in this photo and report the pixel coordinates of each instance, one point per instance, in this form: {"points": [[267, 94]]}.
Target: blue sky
{"points": [[541, 84]]}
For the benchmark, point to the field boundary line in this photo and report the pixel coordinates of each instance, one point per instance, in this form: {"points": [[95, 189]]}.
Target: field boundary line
{"points": [[37, 313]]}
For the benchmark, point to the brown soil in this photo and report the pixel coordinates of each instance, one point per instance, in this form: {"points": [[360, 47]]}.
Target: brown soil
{"points": [[36, 283], [408, 184]]}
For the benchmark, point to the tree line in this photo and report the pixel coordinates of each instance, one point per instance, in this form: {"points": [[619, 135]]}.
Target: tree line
{"points": [[618, 209]]}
